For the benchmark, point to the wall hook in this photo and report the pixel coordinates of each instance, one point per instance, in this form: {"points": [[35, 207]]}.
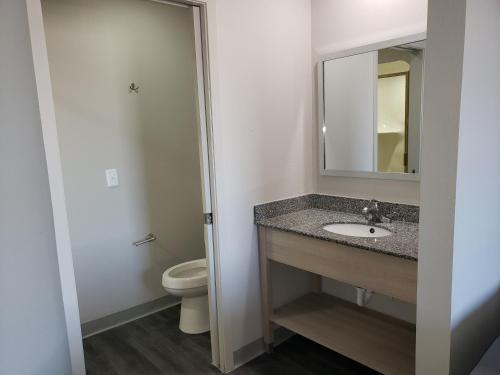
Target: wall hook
{"points": [[133, 88]]}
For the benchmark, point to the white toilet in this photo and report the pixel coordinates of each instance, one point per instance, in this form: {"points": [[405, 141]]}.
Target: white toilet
{"points": [[189, 281]]}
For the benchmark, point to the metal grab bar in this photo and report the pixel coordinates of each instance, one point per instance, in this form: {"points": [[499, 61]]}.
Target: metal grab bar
{"points": [[149, 238]]}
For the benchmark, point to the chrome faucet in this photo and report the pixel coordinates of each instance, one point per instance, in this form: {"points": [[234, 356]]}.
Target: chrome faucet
{"points": [[372, 213]]}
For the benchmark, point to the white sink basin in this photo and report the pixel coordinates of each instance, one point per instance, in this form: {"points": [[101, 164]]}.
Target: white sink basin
{"points": [[357, 230]]}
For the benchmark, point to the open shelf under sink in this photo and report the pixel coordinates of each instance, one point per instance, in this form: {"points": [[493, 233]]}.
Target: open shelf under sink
{"points": [[376, 340]]}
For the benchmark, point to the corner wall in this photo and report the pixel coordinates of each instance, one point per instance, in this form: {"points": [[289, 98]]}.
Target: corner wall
{"points": [[442, 82], [260, 65], [33, 336], [475, 300], [459, 279]]}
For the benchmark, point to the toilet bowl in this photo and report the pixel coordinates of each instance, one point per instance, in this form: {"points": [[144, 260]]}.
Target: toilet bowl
{"points": [[189, 281]]}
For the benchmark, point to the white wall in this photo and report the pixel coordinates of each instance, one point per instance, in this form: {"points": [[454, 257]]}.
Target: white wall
{"points": [[263, 143], [475, 300], [459, 282], [339, 25], [345, 24], [32, 328], [95, 52], [442, 82], [265, 138], [260, 54]]}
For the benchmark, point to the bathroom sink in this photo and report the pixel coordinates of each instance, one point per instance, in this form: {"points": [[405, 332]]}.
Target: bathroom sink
{"points": [[357, 230]]}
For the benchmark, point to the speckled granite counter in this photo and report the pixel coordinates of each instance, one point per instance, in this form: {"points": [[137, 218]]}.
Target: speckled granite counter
{"points": [[307, 215]]}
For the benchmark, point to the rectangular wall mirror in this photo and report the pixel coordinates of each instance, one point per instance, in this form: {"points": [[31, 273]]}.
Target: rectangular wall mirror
{"points": [[370, 111]]}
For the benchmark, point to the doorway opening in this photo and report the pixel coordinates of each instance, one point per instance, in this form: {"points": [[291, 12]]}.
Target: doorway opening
{"points": [[125, 108]]}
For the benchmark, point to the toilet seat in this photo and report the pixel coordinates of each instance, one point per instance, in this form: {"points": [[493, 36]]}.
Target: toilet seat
{"points": [[189, 280], [186, 275]]}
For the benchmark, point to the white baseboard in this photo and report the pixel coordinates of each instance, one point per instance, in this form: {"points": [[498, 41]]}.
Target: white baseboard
{"points": [[256, 348]]}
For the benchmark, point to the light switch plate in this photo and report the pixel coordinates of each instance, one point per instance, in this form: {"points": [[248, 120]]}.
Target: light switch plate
{"points": [[112, 178]]}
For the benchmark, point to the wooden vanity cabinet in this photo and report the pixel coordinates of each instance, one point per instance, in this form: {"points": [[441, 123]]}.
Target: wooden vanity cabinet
{"points": [[376, 340]]}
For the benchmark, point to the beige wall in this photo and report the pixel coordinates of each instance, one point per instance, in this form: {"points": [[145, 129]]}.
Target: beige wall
{"points": [[339, 25], [96, 49]]}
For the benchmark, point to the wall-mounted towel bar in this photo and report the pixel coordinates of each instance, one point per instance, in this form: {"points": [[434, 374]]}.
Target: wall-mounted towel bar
{"points": [[149, 238]]}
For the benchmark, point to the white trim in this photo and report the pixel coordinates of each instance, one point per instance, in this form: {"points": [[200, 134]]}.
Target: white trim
{"points": [[321, 111], [167, 2], [375, 110], [257, 347], [53, 158], [51, 144], [208, 44], [421, 113], [373, 175], [321, 116], [336, 54], [206, 190]]}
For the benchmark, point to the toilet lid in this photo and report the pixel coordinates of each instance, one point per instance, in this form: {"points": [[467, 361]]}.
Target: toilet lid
{"points": [[186, 275]]}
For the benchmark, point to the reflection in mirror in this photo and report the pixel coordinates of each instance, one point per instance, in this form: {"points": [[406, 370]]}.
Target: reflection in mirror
{"points": [[371, 113]]}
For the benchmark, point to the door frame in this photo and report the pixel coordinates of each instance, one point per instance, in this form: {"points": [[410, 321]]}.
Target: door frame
{"points": [[407, 110], [221, 357]]}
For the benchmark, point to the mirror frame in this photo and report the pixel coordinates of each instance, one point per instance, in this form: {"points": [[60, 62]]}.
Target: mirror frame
{"points": [[321, 108]]}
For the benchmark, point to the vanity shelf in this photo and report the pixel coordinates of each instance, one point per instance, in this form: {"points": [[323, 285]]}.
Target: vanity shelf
{"points": [[376, 340]]}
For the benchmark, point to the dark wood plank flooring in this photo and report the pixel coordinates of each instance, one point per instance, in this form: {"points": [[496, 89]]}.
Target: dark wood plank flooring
{"points": [[154, 345]]}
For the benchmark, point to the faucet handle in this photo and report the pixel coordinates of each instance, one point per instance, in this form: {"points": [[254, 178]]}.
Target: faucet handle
{"points": [[371, 211]]}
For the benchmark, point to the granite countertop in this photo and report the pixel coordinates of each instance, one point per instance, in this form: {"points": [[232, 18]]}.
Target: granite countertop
{"points": [[309, 220]]}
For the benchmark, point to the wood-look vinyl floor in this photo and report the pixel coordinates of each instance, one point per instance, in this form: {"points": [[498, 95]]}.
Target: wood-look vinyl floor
{"points": [[154, 345]]}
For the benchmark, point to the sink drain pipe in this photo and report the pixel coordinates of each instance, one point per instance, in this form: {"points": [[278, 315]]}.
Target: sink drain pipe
{"points": [[363, 296]]}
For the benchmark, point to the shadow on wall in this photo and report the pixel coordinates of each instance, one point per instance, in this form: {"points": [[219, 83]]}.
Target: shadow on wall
{"points": [[168, 137], [468, 341]]}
